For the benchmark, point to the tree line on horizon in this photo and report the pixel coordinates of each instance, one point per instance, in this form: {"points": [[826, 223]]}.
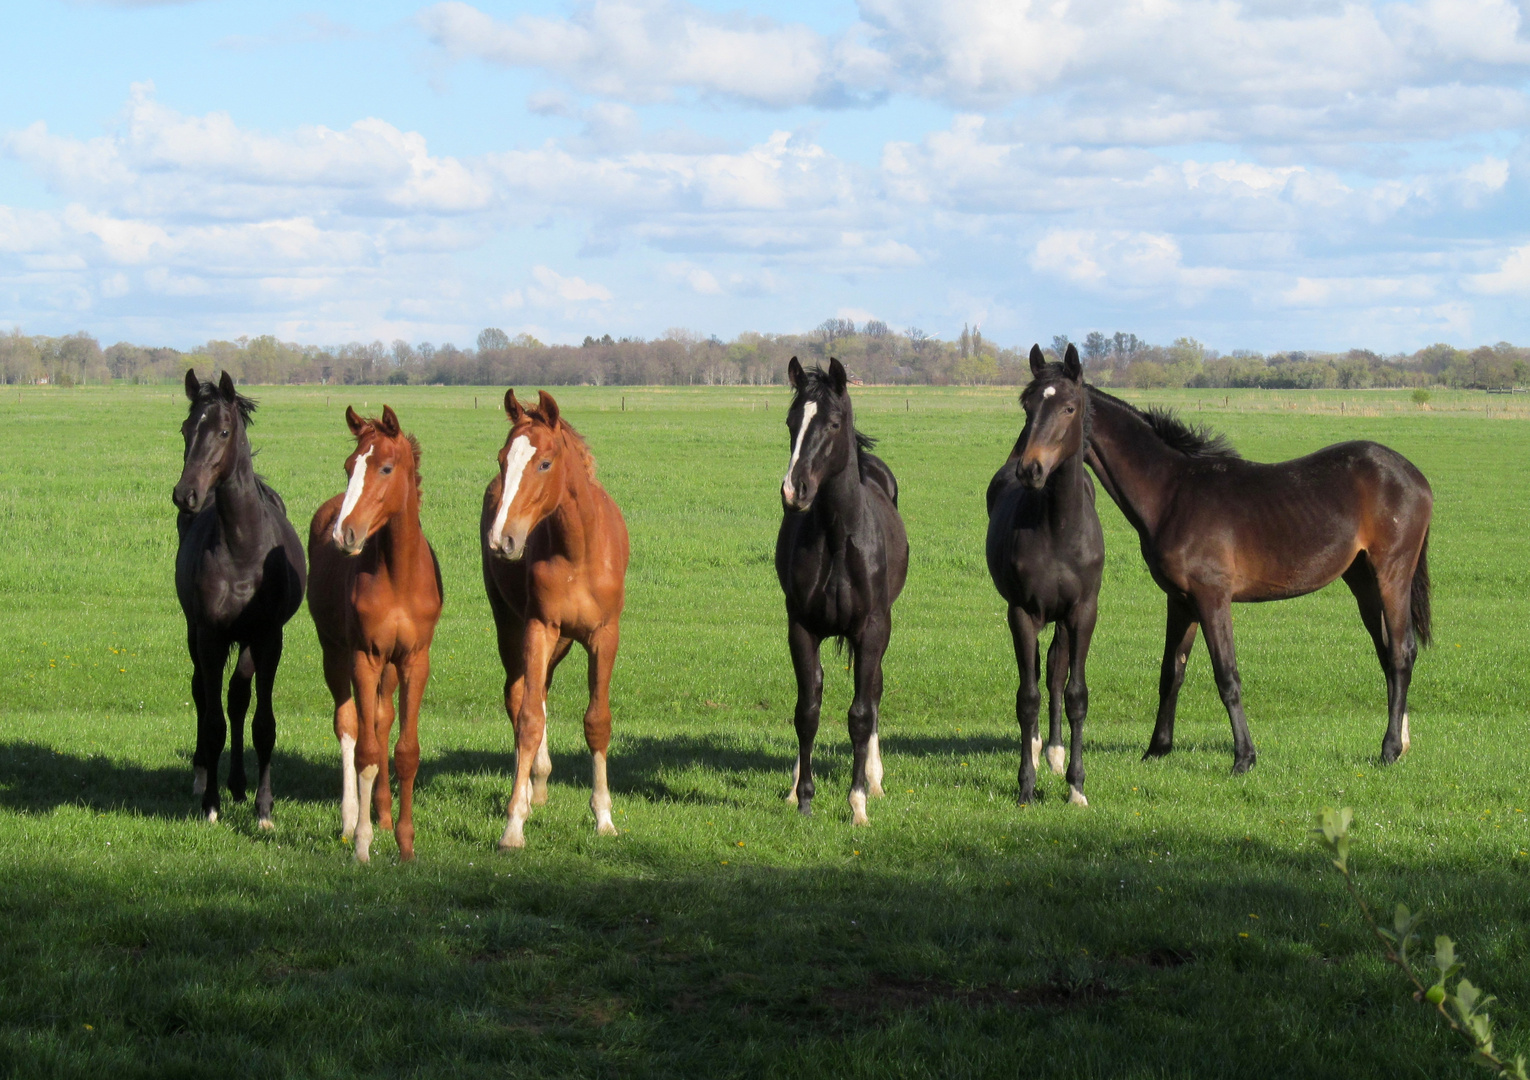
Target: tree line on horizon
{"points": [[872, 352]]}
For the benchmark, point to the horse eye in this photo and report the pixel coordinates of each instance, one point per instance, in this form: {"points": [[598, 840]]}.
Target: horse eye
{"points": [[386, 470], [223, 434], [546, 464], [1072, 410]]}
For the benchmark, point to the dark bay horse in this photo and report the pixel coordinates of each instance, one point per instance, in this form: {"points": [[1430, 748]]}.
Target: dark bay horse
{"points": [[554, 550], [240, 576], [375, 601], [842, 559], [1216, 529], [1046, 552]]}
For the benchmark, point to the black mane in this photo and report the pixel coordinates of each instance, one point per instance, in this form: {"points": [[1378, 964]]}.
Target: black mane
{"points": [[818, 386], [1192, 440], [208, 393]]}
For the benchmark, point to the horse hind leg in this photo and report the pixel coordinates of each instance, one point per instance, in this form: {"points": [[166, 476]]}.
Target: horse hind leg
{"points": [[863, 713], [1179, 636], [386, 713], [1027, 700], [263, 728], [238, 707], [1402, 652], [541, 765], [1057, 678], [809, 672], [597, 725]]}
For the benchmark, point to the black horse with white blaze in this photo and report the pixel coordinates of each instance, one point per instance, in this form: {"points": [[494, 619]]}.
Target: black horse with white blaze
{"points": [[240, 575], [842, 559], [1046, 553]]}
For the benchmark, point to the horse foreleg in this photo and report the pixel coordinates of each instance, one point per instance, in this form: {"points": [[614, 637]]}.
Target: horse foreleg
{"points": [[1216, 616], [1027, 698], [541, 766], [198, 769], [597, 722], [366, 679], [804, 646], [266, 656], [1178, 637], [864, 709], [530, 727], [1076, 694], [1057, 677], [211, 728], [238, 706], [406, 754]]}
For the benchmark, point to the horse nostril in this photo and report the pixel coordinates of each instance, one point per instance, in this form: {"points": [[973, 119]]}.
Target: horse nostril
{"points": [[350, 537]]}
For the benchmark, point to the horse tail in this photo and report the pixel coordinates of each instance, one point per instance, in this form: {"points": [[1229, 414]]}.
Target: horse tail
{"points": [[843, 646], [1421, 626]]}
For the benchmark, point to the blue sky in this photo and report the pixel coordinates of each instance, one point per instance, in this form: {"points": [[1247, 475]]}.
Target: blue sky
{"points": [[1317, 174]]}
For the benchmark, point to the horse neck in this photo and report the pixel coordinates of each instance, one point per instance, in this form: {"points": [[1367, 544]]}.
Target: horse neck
{"points": [[1134, 466], [841, 498], [240, 508], [574, 518], [403, 545], [1067, 489]]}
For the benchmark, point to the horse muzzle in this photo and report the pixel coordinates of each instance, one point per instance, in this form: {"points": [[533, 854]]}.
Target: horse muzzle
{"points": [[1033, 474], [510, 548], [794, 499], [187, 497]]}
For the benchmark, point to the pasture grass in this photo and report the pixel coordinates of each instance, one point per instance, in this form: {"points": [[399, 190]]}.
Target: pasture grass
{"points": [[1182, 925]]}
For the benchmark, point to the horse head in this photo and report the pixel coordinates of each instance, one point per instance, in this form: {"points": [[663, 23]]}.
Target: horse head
{"points": [[214, 433], [383, 471], [534, 464], [1055, 405], [822, 431]]}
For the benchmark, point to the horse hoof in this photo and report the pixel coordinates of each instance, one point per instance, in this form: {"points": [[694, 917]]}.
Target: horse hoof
{"points": [[877, 792], [266, 825], [513, 840], [805, 808], [236, 793], [538, 795], [1076, 797], [1057, 758], [605, 828], [1156, 752], [1242, 765], [212, 816]]}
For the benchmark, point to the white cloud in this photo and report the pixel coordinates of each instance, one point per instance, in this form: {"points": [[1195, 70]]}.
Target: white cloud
{"points": [[1124, 263], [555, 287], [647, 50], [1512, 278]]}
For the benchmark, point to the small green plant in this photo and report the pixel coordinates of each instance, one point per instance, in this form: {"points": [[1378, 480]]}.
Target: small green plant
{"points": [[1421, 396], [1463, 1007]]}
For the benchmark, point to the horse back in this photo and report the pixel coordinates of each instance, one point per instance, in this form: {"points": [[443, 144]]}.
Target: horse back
{"points": [[875, 471]]}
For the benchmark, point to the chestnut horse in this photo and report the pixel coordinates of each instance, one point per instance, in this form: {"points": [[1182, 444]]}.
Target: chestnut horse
{"points": [[841, 559], [375, 598], [240, 576], [554, 549], [1216, 529], [1046, 553]]}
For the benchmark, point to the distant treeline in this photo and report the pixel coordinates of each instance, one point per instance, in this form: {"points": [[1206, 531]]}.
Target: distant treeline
{"points": [[873, 353]]}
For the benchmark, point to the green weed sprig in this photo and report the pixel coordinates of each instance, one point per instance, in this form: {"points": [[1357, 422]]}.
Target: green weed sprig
{"points": [[1464, 1007]]}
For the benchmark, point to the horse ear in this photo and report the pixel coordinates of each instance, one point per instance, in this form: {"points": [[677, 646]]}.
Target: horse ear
{"points": [[193, 384], [1071, 365], [390, 425], [226, 387], [547, 407], [354, 422], [794, 374], [514, 409], [1038, 362], [838, 375]]}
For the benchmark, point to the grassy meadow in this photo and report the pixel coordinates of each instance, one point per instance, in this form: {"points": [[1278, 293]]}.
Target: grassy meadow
{"points": [[1184, 924]]}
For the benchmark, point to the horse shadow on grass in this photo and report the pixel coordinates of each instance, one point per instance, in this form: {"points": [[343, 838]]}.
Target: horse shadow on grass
{"points": [[35, 778]]}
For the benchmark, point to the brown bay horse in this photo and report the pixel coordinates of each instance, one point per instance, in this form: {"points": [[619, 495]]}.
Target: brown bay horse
{"points": [[555, 552], [1217, 529], [1046, 554], [375, 596]]}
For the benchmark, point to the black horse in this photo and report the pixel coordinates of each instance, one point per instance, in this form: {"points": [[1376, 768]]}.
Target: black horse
{"points": [[1046, 553], [1216, 529], [842, 558], [240, 575]]}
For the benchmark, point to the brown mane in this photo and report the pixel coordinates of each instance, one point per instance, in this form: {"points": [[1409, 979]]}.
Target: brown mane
{"points": [[580, 447]]}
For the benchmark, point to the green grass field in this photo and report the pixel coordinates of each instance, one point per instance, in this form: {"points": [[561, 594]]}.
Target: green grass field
{"points": [[1183, 925]]}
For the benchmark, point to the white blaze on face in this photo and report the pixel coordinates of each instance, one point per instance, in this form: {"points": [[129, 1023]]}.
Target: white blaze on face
{"points": [[809, 411], [521, 453], [352, 494]]}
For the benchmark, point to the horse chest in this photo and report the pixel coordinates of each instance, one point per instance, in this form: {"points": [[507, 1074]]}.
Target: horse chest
{"points": [[824, 587], [227, 590]]}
